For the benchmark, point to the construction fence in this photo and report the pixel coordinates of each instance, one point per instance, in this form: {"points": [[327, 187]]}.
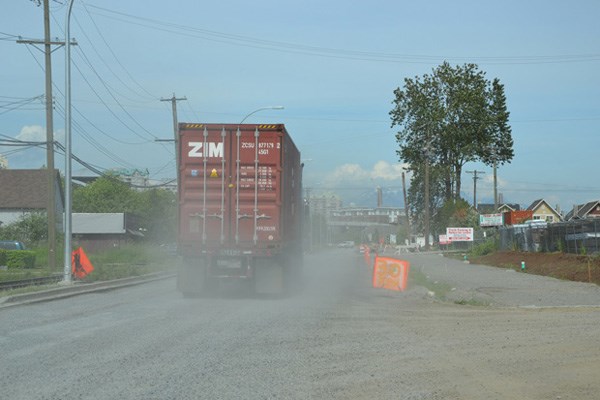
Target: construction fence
{"points": [[578, 237]]}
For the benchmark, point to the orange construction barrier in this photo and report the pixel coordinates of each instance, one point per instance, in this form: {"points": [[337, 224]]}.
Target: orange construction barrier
{"points": [[389, 273], [80, 264]]}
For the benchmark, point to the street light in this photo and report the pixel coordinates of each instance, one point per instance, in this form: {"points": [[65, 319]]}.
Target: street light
{"points": [[68, 206], [260, 109]]}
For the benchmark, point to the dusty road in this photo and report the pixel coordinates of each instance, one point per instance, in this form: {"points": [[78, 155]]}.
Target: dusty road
{"points": [[338, 339]]}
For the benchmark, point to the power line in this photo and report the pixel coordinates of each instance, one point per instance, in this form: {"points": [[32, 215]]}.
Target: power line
{"points": [[19, 104], [106, 65], [150, 95], [247, 41], [108, 89]]}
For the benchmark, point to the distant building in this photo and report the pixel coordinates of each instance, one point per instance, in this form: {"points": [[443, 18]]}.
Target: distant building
{"points": [[542, 211], [103, 231], [484, 208], [3, 162], [364, 216], [324, 204], [584, 211], [24, 191], [136, 178]]}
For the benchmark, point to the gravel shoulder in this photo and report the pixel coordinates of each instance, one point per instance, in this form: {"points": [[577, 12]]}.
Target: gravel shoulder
{"points": [[337, 339], [503, 287]]}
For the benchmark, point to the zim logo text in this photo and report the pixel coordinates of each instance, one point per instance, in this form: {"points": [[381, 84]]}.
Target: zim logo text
{"points": [[212, 149]]}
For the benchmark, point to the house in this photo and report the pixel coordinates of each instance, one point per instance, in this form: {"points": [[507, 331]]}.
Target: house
{"points": [[24, 191], [584, 211], [484, 208], [102, 231], [542, 211]]}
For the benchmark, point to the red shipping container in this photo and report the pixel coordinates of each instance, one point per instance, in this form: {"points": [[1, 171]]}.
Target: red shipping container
{"points": [[517, 217], [240, 197]]}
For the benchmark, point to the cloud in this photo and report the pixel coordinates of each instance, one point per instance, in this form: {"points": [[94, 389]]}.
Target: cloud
{"points": [[32, 156], [32, 133], [353, 173], [386, 171], [37, 133]]}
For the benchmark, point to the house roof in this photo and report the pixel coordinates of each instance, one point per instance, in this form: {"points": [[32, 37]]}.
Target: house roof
{"points": [[25, 188], [485, 208], [538, 203], [581, 210]]}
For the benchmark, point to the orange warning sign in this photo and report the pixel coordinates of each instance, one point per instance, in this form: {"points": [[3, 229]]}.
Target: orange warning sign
{"points": [[389, 273], [80, 264]]}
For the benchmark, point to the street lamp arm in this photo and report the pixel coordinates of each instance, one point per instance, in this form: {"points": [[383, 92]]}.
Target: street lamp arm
{"points": [[260, 109]]}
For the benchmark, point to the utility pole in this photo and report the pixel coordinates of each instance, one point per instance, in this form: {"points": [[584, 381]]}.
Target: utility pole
{"points": [[427, 150], [174, 101], [310, 225], [427, 216], [406, 206], [51, 181], [475, 177], [495, 187]]}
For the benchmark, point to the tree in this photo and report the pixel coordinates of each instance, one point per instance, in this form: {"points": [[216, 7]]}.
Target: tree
{"points": [[416, 197], [449, 118], [455, 214], [106, 195], [154, 209], [158, 215], [30, 229]]}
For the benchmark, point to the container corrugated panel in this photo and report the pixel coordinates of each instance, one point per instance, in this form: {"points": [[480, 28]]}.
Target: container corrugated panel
{"points": [[240, 186], [517, 217]]}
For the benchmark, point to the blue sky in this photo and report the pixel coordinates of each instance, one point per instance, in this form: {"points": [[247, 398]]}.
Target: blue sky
{"points": [[333, 65]]}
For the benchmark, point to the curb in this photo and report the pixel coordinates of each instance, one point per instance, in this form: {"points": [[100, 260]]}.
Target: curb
{"points": [[78, 289]]}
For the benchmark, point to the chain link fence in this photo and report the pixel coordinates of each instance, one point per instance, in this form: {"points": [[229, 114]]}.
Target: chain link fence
{"points": [[579, 237]]}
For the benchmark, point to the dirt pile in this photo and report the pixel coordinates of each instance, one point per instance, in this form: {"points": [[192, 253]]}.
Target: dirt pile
{"points": [[558, 265]]}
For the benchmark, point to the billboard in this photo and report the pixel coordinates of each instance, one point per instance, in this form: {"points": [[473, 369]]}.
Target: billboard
{"points": [[459, 234], [491, 220], [444, 239]]}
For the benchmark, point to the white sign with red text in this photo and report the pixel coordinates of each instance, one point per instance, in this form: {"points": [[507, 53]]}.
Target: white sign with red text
{"points": [[459, 234], [444, 240]]}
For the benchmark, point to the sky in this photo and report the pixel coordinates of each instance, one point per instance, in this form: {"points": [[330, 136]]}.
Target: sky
{"points": [[333, 65]]}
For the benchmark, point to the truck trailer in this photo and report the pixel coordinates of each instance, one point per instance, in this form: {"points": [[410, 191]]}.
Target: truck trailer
{"points": [[240, 207]]}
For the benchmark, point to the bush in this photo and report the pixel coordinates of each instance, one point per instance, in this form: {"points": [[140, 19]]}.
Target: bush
{"points": [[17, 258], [484, 248]]}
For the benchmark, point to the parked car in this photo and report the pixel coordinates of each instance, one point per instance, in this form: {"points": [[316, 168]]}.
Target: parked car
{"points": [[346, 244], [11, 245]]}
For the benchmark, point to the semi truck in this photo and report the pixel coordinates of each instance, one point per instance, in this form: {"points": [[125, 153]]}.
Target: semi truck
{"points": [[240, 207]]}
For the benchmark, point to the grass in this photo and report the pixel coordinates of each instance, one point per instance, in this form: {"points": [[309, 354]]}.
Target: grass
{"points": [[131, 260], [439, 288], [472, 302], [25, 273]]}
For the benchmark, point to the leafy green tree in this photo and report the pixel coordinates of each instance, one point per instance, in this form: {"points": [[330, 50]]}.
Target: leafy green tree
{"points": [[159, 215], [30, 229], [154, 209], [454, 213], [416, 194], [106, 195], [449, 118]]}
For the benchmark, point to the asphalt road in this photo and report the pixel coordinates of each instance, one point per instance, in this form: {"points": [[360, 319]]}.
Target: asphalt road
{"points": [[337, 339]]}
